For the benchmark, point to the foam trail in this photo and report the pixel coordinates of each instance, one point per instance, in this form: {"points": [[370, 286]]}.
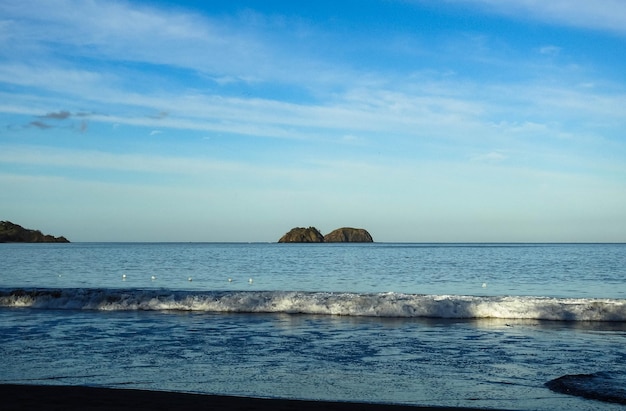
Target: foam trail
{"points": [[323, 303]]}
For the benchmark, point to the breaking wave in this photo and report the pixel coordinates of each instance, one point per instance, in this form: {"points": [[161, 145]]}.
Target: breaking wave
{"points": [[321, 303]]}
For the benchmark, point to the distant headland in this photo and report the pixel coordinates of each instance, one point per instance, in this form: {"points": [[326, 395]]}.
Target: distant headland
{"points": [[14, 233], [313, 235]]}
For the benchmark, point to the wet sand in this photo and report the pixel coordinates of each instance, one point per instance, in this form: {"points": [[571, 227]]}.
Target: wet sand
{"points": [[55, 397]]}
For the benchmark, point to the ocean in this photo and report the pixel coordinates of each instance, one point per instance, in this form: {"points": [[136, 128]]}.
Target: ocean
{"points": [[474, 325]]}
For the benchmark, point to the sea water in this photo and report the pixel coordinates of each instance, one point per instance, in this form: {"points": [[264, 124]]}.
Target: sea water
{"points": [[478, 325]]}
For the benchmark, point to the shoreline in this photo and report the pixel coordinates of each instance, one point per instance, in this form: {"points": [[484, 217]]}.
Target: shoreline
{"points": [[62, 397]]}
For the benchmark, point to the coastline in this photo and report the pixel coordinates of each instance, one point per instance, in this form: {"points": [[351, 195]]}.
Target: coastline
{"points": [[62, 397]]}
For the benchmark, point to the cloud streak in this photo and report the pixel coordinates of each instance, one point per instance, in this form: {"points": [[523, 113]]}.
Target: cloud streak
{"points": [[605, 15], [39, 124], [59, 115]]}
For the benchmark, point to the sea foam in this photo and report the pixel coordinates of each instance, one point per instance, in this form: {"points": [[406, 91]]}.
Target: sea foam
{"points": [[321, 303]]}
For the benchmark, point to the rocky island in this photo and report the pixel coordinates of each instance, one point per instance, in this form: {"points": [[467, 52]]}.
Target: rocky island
{"points": [[14, 233], [313, 235], [302, 235], [348, 235]]}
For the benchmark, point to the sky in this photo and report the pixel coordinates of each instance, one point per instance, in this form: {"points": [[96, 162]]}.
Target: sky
{"points": [[418, 120]]}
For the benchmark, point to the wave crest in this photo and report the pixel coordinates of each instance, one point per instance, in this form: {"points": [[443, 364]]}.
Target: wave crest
{"points": [[324, 303]]}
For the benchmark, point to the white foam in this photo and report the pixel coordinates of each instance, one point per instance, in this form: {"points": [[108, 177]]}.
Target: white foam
{"points": [[349, 304]]}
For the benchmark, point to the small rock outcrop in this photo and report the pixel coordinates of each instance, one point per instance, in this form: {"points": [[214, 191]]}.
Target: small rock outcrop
{"points": [[348, 235], [302, 235], [340, 235], [13, 233]]}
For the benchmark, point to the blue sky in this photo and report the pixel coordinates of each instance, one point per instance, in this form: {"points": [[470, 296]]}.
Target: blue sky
{"points": [[468, 120]]}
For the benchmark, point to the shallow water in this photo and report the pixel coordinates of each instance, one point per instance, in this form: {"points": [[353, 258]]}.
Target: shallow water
{"points": [[484, 363]]}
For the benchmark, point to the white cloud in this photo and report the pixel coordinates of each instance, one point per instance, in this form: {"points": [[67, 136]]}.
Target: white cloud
{"points": [[550, 50], [606, 15], [230, 49], [350, 138], [52, 77]]}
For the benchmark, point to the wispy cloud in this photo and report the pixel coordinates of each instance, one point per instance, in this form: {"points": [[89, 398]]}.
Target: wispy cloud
{"points": [[39, 124], [231, 49], [606, 15], [53, 76], [55, 117], [160, 115], [550, 50], [59, 115]]}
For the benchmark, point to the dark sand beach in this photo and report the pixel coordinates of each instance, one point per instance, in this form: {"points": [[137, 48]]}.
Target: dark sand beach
{"points": [[54, 397]]}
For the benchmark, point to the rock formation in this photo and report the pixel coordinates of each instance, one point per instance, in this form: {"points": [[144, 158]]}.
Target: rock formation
{"points": [[302, 235], [13, 233], [348, 235], [340, 235]]}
